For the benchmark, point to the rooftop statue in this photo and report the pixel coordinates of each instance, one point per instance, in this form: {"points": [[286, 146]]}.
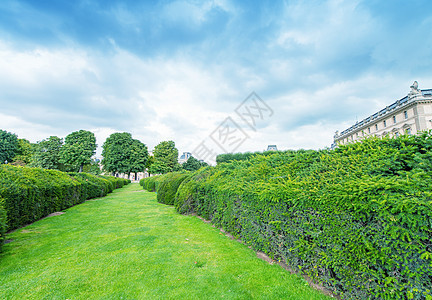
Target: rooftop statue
{"points": [[415, 91]]}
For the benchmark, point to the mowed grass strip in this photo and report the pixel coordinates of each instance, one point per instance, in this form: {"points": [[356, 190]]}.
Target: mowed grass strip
{"points": [[128, 246]]}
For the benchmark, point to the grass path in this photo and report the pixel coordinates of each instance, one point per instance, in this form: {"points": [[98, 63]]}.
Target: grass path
{"points": [[128, 246]]}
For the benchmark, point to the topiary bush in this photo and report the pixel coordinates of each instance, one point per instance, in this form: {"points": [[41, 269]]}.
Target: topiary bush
{"points": [[151, 183], [357, 218], [186, 199], [168, 185], [115, 181]]}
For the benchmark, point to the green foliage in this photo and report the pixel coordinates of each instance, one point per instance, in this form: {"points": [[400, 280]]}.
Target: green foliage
{"points": [[8, 146], [230, 157], [116, 181], [144, 250], [93, 167], [123, 154], [165, 158], [78, 149], [168, 185], [192, 189], [3, 223], [93, 186], [47, 154], [151, 184], [193, 164], [137, 157], [32, 193], [149, 162], [357, 218], [115, 152], [24, 153]]}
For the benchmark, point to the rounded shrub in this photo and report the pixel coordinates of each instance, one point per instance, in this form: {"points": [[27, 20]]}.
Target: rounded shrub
{"points": [[168, 185]]}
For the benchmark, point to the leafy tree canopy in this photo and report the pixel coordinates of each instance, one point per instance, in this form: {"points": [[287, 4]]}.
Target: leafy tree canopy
{"points": [[8, 146], [193, 164], [24, 153], [115, 152], [123, 154], [47, 153], [166, 158], [137, 157], [78, 149]]}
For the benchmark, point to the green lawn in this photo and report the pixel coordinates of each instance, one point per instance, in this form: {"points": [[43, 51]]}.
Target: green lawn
{"points": [[128, 246]]}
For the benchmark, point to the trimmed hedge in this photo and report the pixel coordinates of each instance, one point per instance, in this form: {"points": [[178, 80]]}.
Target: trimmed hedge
{"points": [[165, 185], [168, 186], [115, 181], [358, 218], [151, 183], [32, 193], [3, 224]]}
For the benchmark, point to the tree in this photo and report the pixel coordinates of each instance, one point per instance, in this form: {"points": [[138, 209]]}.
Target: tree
{"points": [[78, 149], [8, 146], [137, 157], [115, 152], [24, 153], [149, 163], [193, 164], [93, 167], [123, 154], [47, 154], [166, 158]]}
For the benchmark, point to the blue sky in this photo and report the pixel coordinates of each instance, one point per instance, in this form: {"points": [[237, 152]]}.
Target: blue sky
{"points": [[175, 70]]}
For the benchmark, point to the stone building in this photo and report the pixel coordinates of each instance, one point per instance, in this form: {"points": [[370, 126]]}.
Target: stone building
{"points": [[409, 115], [184, 157]]}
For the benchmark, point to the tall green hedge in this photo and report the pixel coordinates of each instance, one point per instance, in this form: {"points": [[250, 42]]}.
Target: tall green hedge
{"points": [[151, 184], [3, 224], [168, 186], [357, 218], [32, 193]]}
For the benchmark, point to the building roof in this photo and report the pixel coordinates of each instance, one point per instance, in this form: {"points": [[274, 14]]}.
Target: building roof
{"points": [[387, 110]]}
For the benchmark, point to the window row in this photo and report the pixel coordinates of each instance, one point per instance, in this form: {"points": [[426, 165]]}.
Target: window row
{"points": [[395, 133]]}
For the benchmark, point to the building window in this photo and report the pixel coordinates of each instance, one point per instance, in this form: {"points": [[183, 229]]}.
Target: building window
{"points": [[376, 127], [385, 123], [406, 115], [394, 119], [369, 130], [396, 134], [408, 131]]}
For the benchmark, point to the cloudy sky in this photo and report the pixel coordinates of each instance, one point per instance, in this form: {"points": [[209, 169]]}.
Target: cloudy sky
{"points": [[182, 70]]}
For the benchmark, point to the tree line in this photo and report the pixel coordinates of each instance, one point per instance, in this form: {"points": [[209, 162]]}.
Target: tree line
{"points": [[121, 154]]}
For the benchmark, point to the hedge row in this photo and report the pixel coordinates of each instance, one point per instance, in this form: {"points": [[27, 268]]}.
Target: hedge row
{"points": [[165, 185], [32, 193], [358, 218], [3, 225]]}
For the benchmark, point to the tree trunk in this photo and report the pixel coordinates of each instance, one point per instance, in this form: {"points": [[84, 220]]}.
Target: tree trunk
{"points": [[81, 168]]}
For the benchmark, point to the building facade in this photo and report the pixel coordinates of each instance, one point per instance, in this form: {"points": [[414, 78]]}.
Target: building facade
{"points": [[409, 115], [184, 157]]}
